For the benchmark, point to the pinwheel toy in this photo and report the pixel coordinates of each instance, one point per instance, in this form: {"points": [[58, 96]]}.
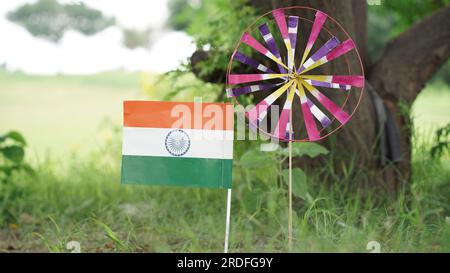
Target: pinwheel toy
{"points": [[297, 63]]}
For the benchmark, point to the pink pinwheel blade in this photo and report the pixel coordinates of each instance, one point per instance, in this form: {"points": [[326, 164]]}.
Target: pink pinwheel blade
{"points": [[234, 79], [281, 22]]}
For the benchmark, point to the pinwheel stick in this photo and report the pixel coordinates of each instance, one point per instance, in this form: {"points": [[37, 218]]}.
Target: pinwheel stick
{"points": [[290, 183]]}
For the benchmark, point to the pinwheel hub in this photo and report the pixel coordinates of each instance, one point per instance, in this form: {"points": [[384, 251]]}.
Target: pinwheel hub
{"points": [[295, 76]]}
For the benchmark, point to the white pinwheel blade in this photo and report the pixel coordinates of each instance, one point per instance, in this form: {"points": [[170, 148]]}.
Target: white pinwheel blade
{"points": [[356, 81], [240, 57], [330, 106], [271, 44], [322, 52], [293, 33], [340, 50], [311, 128], [238, 91], [317, 113]]}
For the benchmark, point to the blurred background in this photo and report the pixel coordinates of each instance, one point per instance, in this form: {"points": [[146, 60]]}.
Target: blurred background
{"points": [[66, 66], [65, 69]]}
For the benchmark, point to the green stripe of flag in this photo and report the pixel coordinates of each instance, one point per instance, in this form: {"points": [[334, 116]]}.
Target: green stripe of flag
{"points": [[177, 171]]}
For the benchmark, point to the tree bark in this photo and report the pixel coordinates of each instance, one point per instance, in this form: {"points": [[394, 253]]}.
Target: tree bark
{"points": [[408, 62]]}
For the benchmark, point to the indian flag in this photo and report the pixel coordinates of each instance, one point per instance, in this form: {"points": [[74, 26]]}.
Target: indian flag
{"points": [[178, 144]]}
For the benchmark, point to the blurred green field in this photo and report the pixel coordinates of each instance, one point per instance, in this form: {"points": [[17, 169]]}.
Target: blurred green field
{"points": [[431, 109], [61, 115]]}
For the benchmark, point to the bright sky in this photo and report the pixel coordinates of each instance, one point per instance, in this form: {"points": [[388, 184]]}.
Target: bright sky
{"points": [[79, 54]]}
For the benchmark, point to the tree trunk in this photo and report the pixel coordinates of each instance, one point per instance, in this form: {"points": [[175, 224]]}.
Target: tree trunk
{"points": [[408, 62]]}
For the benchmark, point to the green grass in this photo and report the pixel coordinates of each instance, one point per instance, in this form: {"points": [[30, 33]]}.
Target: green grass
{"points": [[86, 203], [80, 198]]}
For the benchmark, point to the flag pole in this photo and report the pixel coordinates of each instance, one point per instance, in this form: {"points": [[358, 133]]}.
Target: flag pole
{"points": [[290, 184], [227, 222]]}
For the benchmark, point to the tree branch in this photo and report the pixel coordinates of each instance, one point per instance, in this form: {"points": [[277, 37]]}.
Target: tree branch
{"points": [[411, 59]]}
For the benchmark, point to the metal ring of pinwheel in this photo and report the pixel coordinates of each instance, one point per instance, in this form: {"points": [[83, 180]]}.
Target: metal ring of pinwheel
{"points": [[266, 64]]}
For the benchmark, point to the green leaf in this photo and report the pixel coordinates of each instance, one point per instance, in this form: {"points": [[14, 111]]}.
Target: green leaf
{"points": [[252, 200], [17, 137], [6, 171], [13, 153], [256, 159], [111, 234], [299, 186], [304, 148], [268, 176], [27, 168]]}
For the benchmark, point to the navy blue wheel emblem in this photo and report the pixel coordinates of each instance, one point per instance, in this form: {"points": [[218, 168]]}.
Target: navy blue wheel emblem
{"points": [[177, 142]]}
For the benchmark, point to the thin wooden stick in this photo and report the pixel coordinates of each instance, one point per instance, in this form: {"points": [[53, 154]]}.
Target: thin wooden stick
{"points": [[290, 183], [227, 222]]}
